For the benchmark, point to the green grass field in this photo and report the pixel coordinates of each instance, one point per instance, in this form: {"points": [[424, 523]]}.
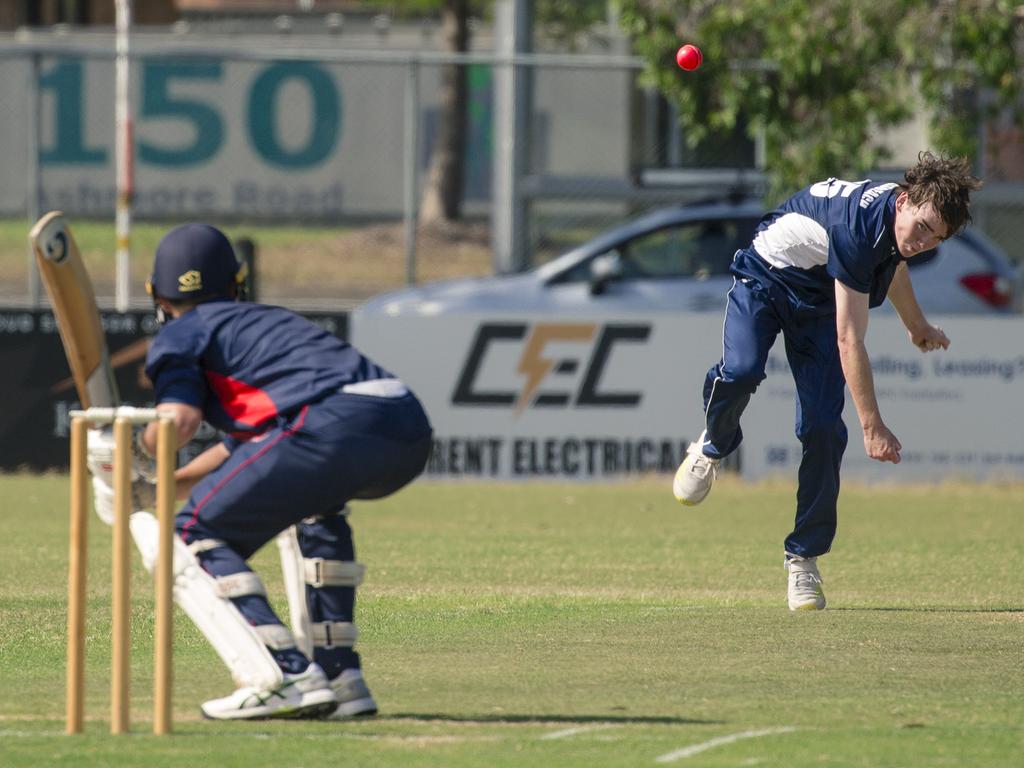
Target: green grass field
{"points": [[326, 263], [602, 625]]}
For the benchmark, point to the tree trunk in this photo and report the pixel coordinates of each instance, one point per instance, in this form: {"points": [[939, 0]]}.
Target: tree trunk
{"points": [[442, 194]]}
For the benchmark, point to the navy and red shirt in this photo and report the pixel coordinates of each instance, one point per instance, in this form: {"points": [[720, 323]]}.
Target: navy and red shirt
{"points": [[832, 230], [244, 364]]}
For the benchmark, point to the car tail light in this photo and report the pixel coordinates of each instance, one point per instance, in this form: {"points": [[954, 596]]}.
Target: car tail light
{"points": [[995, 290]]}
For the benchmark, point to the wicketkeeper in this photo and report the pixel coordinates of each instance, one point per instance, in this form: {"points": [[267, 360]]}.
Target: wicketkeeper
{"points": [[311, 425]]}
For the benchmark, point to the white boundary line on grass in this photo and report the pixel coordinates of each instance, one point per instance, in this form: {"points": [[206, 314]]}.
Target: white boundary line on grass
{"points": [[573, 731], [695, 749]]}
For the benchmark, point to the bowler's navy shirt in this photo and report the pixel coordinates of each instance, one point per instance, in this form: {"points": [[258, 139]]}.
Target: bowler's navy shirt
{"points": [[244, 364], [832, 230]]}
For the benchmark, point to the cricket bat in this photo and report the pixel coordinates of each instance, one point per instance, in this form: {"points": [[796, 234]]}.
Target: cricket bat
{"points": [[74, 305]]}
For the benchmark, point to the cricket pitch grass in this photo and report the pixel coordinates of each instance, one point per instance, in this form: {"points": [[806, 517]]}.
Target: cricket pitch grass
{"points": [[564, 625]]}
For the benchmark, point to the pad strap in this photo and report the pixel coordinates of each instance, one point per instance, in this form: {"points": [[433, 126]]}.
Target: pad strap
{"points": [[275, 636], [334, 634], [205, 545], [333, 573], [240, 584]]}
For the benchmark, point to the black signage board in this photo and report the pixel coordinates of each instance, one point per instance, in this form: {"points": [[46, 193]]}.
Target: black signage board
{"points": [[37, 393]]}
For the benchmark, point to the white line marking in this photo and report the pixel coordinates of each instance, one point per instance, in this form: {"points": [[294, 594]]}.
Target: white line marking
{"points": [[573, 731], [695, 749]]}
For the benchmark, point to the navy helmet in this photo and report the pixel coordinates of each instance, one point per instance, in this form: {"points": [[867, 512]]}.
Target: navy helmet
{"points": [[195, 262]]}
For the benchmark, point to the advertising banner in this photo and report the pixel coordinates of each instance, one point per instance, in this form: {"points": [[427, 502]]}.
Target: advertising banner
{"points": [[957, 413], [525, 397], [38, 393], [287, 140]]}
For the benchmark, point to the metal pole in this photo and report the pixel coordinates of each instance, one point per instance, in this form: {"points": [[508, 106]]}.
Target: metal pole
{"points": [[412, 159], [980, 212], [124, 161], [512, 109], [34, 181], [246, 250]]}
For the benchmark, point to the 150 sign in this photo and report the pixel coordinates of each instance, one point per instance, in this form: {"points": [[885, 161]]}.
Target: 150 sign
{"points": [[161, 84]]}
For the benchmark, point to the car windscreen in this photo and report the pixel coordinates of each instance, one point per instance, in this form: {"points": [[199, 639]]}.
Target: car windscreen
{"points": [[697, 249]]}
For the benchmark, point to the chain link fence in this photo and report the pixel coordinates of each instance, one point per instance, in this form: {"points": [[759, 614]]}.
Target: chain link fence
{"points": [[321, 156]]}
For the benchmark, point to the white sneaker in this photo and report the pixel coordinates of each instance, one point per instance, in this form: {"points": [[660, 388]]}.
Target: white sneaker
{"points": [[354, 698], [804, 592], [694, 477], [307, 694]]}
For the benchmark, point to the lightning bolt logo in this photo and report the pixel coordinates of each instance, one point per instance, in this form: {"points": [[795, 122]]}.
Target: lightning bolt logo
{"points": [[534, 365]]}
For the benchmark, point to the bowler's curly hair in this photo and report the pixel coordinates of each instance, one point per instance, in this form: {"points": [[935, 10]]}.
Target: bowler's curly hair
{"points": [[946, 183]]}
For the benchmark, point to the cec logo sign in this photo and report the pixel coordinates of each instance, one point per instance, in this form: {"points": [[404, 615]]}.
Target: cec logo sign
{"points": [[521, 396], [560, 365]]}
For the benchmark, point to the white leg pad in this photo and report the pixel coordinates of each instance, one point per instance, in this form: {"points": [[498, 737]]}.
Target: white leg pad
{"points": [[293, 568], [315, 572], [238, 644]]}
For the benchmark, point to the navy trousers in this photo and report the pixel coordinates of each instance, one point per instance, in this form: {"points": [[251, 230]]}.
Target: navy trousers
{"points": [[759, 309], [304, 471]]}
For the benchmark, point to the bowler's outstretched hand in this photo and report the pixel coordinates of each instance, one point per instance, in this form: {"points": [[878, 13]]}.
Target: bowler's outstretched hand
{"points": [[881, 444]]}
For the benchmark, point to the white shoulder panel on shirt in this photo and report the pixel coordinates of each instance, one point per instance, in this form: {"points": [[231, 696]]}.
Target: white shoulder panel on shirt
{"points": [[793, 240]]}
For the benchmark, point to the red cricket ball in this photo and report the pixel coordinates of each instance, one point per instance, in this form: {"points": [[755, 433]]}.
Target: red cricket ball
{"points": [[689, 57]]}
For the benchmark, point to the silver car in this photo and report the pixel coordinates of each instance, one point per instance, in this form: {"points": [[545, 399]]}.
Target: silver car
{"points": [[677, 259]]}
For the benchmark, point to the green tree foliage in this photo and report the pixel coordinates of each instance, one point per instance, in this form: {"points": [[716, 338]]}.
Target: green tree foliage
{"points": [[561, 19], [818, 79]]}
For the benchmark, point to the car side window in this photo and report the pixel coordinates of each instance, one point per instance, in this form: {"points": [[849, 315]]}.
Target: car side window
{"points": [[695, 249]]}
